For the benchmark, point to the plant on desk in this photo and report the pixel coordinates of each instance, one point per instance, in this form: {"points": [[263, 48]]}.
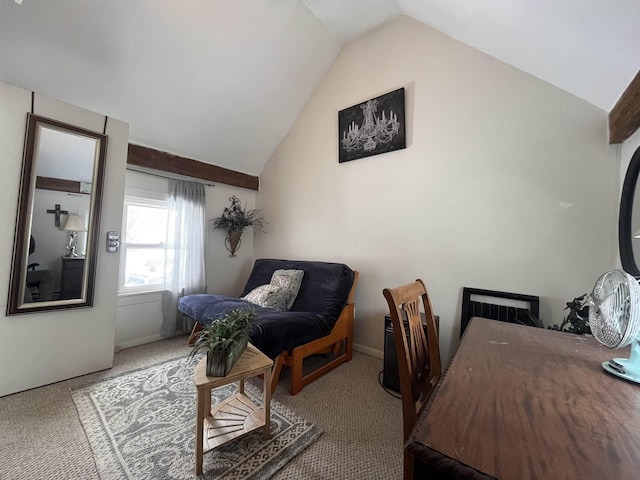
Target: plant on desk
{"points": [[224, 340], [577, 321]]}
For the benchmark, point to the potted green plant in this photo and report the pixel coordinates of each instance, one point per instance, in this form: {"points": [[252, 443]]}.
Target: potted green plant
{"points": [[224, 340], [577, 320], [234, 220]]}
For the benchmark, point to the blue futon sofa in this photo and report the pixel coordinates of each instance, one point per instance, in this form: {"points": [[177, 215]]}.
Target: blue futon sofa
{"points": [[320, 320]]}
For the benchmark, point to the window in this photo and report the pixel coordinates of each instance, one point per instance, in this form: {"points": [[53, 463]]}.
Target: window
{"points": [[144, 237]]}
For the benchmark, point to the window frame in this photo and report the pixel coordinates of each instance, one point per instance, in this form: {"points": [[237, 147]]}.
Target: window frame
{"points": [[130, 200]]}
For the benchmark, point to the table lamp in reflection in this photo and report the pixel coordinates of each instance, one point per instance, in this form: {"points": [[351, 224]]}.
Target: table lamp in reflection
{"points": [[73, 225]]}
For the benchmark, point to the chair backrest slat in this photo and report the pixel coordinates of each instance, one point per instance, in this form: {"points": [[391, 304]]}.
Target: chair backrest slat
{"points": [[418, 355]]}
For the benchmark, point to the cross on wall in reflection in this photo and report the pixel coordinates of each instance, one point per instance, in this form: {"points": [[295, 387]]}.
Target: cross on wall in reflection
{"points": [[56, 211]]}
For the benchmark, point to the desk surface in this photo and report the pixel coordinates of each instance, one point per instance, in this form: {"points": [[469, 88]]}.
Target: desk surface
{"points": [[526, 403]]}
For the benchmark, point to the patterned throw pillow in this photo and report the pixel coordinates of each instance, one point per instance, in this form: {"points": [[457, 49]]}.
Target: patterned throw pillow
{"points": [[289, 282], [280, 293], [268, 296]]}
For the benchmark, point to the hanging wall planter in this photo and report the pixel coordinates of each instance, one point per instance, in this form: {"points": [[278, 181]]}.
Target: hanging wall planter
{"points": [[232, 242], [234, 220]]}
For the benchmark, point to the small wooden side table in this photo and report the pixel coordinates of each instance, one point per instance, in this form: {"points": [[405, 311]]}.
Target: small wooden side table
{"points": [[236, 415]]}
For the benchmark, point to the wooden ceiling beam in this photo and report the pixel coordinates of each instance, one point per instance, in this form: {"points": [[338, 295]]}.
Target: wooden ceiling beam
{"points": [[624, 118], [167, 162], [58, 184]]}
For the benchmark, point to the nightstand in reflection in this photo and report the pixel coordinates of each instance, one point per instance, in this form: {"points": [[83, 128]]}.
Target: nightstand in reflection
{"points": [[71, 277]]}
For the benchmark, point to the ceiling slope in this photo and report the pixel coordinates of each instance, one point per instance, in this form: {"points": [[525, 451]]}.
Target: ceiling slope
{"points": [[218, 81], [586, 47], [223, 81]]}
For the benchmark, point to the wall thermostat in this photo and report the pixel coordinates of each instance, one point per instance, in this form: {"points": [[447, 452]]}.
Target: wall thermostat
{"points": [[113, 242]]}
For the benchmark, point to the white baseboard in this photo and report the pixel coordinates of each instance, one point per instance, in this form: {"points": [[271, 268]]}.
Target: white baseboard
{"points": [[368, 351], [138, 341]]}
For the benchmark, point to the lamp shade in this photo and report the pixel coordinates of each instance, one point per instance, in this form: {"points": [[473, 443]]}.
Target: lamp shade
{"points": [[637, 234], [74, 224]]}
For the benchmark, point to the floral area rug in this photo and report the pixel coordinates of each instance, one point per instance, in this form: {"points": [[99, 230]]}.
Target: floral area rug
{"points": [[141, 425]]}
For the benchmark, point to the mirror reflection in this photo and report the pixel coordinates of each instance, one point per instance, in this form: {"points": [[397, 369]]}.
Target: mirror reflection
{"points": [[54, 257], [629, 218], [635, 223]]}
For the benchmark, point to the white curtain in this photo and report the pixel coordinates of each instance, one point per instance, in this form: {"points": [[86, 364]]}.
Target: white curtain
{"points": [[184, 269]]}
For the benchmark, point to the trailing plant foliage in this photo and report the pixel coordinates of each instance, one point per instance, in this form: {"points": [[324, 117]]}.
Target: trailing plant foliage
{"points": [[577, 321], [235, 218], [224, 333]]}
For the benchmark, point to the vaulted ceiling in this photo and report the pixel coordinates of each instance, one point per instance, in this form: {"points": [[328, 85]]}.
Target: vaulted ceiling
{"points": [[222, 81]]}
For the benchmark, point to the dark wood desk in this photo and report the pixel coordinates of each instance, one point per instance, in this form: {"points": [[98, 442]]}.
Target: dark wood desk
{"points": [[520, 403]]}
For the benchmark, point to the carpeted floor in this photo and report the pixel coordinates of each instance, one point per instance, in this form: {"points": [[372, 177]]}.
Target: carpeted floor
{"points": [[41, 436]]}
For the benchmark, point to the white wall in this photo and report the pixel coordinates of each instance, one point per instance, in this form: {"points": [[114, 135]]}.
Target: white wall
{"points": [[479, 197], [41, 348], [627, 149], [227, 275], [139, 318]]}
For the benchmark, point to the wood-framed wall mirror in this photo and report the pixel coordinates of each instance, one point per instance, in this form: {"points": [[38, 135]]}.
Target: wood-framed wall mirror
{"points": [[58, 219], [629, 218]]}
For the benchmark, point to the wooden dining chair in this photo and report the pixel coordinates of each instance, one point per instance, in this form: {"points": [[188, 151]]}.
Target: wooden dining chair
{"points": [[418, 355]]}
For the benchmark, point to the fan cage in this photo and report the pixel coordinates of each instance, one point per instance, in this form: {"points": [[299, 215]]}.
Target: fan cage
{"points": [[614, 313]]}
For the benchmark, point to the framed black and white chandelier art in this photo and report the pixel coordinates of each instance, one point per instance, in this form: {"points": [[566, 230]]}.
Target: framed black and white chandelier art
{"points": [[372, 127]]}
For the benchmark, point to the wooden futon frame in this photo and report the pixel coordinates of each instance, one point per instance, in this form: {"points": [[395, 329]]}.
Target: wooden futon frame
{"points": [[341, 334]]}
